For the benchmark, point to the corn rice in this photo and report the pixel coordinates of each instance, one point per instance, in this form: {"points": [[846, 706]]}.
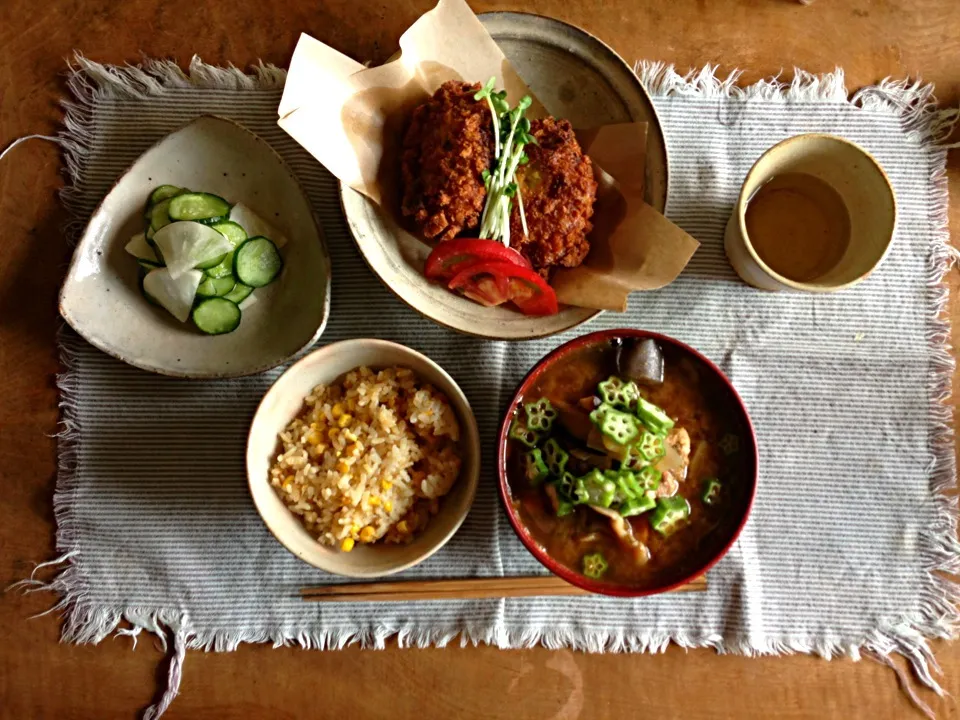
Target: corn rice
{"points": [[387, 461]]}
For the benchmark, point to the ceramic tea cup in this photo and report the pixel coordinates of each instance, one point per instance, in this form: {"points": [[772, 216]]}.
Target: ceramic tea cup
{"points": [[849, 172]]}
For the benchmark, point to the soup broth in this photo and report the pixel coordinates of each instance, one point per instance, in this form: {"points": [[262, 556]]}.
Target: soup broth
{"points": [[699, 404]]}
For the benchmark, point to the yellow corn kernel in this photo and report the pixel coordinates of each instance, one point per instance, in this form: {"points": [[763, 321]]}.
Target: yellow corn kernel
{"points": [[374, 500], [287, 486], [351, 404], [386, 484], [367, 534], [314, 426], [313, 438], [336, 410], [388, 506], [347, 544], [403, 527], [343, 467], [354, 449], [349, 436], [332, 433], [354, 529], [344, 420]]}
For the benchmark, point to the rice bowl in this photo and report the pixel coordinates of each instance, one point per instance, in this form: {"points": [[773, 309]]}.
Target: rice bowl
{"points": [[368, 457], [284, 402]]}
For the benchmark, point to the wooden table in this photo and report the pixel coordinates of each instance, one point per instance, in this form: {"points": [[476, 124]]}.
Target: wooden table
{"points": [[40, 678]]}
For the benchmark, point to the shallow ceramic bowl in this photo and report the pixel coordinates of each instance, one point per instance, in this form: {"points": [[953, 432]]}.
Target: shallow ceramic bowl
{"points": [[748, 448], [282, 403], [101, 297], [577, 77]]}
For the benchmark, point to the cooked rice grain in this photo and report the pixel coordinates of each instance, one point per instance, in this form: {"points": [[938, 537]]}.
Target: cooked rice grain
{"points": [[367, 457]]}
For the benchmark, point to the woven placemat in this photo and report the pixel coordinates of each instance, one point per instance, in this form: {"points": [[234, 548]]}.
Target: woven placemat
{"points": [[846, 390]]}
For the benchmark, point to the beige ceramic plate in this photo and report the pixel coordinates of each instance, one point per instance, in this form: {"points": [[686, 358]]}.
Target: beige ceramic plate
{"points": [[578, 78], [282, 403], [101, 297]]}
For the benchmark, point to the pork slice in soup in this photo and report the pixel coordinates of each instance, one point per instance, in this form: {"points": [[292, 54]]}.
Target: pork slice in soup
{"points": [[623, 463]]}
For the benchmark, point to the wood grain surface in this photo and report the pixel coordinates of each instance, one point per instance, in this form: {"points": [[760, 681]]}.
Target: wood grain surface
{"points": [[39, 678]]}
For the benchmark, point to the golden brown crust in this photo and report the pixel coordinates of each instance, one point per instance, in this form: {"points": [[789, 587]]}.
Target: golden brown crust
{"points": [[448, 144], [558, 192]]}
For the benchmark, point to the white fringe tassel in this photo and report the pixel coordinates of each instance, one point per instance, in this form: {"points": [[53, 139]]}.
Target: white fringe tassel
{"points": [[939, 618]]}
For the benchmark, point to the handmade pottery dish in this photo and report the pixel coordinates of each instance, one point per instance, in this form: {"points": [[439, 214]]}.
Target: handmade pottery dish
{"points": [[355, 526], [628, 463], [577, 77], [101, 297]]}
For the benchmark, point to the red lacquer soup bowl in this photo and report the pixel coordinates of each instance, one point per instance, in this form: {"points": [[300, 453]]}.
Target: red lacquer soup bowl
{"points": [[633, 486]]}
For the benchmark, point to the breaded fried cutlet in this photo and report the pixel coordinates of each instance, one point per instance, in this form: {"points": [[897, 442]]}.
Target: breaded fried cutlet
{"points": [[447, 146], [558, 191]]}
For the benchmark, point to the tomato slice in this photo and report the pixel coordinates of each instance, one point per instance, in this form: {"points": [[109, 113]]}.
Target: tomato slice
{"points": [[450, 257], [493, 283]]}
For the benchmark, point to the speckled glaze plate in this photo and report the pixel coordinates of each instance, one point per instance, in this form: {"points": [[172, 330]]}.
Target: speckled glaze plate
{"points": [[577, 77], [101, 298]]}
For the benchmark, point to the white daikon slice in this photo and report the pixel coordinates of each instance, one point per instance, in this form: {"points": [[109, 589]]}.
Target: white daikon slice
{"points": [[176, 294], [247, 301], [140, 248], [186, 244], [255, 225]]}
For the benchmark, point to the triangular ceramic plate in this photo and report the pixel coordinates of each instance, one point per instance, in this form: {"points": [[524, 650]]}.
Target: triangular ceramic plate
{"points": [[101, 297]]}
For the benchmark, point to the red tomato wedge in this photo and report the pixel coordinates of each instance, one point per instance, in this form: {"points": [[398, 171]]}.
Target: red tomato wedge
{"points": [[450, 257], [494, 283]]}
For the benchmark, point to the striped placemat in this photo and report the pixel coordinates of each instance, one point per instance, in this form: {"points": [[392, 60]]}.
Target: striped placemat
{"points": [[849, 524]]}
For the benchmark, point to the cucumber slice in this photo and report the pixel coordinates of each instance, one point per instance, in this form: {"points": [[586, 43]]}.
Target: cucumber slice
{"points": [[187, 244], [216, 287], [163, 193], [140, 248], [231, 231], [257, 262], [223, 269], [176, 294], [198, 206], [216, 316], [148, 265], [159, 215], [213, 262], [255, 225], [239, 293]]}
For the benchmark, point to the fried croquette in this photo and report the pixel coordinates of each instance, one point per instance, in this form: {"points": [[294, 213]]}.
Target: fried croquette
{"points": [[558, 191], [447, 146]]}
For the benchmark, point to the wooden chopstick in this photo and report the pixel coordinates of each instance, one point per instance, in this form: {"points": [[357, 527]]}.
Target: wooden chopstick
{"points": [[460, 589]]}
